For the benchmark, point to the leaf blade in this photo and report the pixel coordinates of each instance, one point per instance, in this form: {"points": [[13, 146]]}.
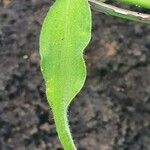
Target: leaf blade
{"points": [[65, 38]]}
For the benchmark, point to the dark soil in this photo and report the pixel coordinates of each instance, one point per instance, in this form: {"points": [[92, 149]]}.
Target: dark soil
{"points": [[112, 112]]}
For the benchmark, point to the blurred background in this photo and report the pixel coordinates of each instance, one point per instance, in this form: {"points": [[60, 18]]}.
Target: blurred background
{"points": [[112, 112]]}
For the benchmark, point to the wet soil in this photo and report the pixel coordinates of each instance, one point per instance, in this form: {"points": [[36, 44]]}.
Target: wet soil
{"points": [[112, 112]]}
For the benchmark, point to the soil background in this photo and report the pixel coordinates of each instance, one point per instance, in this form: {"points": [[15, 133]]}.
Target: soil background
{"points": [[112, 112]]}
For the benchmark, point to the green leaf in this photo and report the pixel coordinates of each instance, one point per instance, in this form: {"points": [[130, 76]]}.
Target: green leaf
{"points": [[65, 33]]}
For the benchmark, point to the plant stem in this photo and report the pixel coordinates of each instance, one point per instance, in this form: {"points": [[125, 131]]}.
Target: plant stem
{"points": [[139, 3], [63, 130], [118, 12]]}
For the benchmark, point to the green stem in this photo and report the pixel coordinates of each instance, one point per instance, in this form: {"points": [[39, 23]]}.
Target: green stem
{"points": [[118, 12], [140, 3], [63, 130]]}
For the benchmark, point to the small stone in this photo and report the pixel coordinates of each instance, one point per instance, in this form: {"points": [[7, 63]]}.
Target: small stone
{"points": [[34, 58], [143, 58], [45, 127], [137, 53], [25, 57], [42, 145], [33, 130]]}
